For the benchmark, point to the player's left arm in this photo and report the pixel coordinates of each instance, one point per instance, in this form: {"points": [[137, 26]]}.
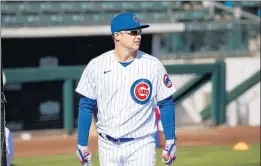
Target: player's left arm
{"points": [[165, 90], [167, 112], [86, 108], [87, 89]]}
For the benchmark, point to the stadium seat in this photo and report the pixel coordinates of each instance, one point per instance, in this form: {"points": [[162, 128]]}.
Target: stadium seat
{"points": [[85, 6], [66, 7], [97, 6], [109, 6], [10, 8], [30, 7], [22, 21], [51, 20], [151, 17], [46, 7], [86, 19], [75, 19], [129, 6], [56, 7], [143, 6], [153, 5], [100, 19], [25, 7], [187, 15], [7, 21], [33, 20], [13, 21]]}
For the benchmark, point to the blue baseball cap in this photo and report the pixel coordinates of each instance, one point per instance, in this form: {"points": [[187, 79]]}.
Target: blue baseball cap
{"points": [[126, 21]]}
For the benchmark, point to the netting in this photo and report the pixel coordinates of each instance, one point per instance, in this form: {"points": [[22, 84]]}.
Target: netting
{"points": [[3, 144]]}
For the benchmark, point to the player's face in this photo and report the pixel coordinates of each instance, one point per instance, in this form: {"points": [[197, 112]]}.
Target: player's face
{"points": [[131, 39]]}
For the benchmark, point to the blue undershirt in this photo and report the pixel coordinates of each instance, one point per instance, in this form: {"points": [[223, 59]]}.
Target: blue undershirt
{"points": [[167, 115], [86, 108], [124, 64]]}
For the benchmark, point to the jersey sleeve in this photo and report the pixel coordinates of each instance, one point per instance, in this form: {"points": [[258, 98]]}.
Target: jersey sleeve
{"points": [[87, 84], [165, 87]]}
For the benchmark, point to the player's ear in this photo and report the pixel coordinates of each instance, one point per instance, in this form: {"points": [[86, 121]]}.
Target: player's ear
{"points": [[116, 36]]}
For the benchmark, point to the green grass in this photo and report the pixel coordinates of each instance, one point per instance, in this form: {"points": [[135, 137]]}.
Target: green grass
{"points": [[200, 156]]}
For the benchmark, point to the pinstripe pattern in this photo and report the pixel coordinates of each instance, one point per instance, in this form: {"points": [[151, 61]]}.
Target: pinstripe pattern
{"points": [[140, 152], [125, 108]]}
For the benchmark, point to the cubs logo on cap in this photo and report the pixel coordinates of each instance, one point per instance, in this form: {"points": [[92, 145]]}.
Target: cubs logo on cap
{"points": [[135, 19], [141, 91], [167, 81]]}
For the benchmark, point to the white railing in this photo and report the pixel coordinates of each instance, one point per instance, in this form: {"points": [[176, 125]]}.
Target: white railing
{"points": [[60, 31]]}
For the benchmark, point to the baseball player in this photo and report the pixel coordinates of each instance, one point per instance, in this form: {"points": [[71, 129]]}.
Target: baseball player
{"points": [[9, 140], [9, 146], [124, 83]]}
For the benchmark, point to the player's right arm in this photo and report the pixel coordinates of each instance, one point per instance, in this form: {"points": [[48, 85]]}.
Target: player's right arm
{"points": [[165, 90], [87, 89]]}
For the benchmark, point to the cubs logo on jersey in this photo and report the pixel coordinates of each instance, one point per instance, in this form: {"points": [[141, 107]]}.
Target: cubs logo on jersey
{"points": [[141, 91], [167, 81]]}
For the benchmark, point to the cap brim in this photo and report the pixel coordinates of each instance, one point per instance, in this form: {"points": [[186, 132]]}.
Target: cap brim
{"points": [[139, 27]]}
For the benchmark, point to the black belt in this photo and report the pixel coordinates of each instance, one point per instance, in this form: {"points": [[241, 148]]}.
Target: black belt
{"points": [[118, 140]]}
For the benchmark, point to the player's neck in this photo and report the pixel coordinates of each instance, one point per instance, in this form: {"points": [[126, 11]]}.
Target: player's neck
{"points": [[124, 55]]}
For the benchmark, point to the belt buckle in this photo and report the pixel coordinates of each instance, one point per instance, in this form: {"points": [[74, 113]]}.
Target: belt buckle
{"points": [[118, 140]]}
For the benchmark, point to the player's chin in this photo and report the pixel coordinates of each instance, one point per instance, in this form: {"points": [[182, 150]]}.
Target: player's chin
{"points": [[136, 46]]}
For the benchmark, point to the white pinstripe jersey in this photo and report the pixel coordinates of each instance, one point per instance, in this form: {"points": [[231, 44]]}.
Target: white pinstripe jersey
{"points": [[125, 95]]}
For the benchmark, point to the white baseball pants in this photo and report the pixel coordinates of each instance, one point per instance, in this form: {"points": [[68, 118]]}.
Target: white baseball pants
{"points": [[138, 152]]}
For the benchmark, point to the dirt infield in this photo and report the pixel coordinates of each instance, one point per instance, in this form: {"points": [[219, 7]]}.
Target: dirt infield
{"points": [[51, 145]]}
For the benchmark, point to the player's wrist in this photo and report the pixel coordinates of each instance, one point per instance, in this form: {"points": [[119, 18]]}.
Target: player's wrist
{"points": [[171, 141], [82, 147]]}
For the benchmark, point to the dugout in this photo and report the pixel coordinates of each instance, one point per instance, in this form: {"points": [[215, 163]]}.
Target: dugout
{"points": [[25, 100]]}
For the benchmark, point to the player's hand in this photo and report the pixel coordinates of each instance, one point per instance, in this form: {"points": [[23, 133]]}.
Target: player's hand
{"points": [[83, 154], [169, 154]]}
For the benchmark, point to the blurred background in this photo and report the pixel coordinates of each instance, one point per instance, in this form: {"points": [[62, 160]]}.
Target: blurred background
{"points": [[210, 44]]}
